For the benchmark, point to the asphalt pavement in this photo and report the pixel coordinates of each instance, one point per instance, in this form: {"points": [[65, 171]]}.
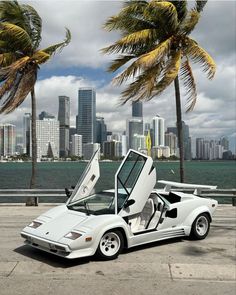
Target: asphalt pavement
{"points": [[178, 266]]}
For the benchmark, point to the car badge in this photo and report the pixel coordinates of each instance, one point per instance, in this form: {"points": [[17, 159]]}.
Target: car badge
{"points": [[47, 232]]}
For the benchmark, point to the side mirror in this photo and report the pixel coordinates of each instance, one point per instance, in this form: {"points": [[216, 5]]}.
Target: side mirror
{"points": [[172, 213], [129, 203], [68, 193]]}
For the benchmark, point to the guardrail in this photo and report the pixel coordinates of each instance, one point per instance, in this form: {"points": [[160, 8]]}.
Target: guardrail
{"points": [[7, 195]]}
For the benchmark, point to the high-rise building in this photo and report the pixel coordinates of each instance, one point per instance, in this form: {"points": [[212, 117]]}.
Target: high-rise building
{"points": [[101, 131], [137, 109], [124, 143], [7, 140], [86, 119], [139, 142], [186, 139], [47, 134], [45, 115], [26, 133], [171, 142], [112, 149], [64, 119], [199, 148], [158, 131], [225, 143], [76, 145], [89, 149], [134, 126]]}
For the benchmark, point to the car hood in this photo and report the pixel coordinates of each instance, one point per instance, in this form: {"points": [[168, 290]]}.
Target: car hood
{"points": [[57, 227]]}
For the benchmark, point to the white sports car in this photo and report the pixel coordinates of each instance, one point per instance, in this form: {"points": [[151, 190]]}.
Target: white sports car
{"points": [[134, 213]]}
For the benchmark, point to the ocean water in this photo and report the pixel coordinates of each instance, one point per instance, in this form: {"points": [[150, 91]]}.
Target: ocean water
{"points": [[65, 174]]}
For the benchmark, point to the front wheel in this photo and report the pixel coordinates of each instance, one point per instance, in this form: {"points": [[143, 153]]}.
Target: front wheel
{"points": [[110, 245], [200, 227]]}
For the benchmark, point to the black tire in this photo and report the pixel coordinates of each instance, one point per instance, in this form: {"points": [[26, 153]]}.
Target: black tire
{"points": [[110, 245], [200, 227]]}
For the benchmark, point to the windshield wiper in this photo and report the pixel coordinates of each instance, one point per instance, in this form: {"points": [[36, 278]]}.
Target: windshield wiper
{"points": [[84, 204]]}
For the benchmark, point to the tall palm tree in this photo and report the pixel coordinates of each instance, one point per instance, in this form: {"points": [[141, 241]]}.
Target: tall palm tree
{"points": [[20, 60], [156, 47]]}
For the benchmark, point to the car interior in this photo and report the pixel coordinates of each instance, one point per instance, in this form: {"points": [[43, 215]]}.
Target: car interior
{"points": [[149, 217]]}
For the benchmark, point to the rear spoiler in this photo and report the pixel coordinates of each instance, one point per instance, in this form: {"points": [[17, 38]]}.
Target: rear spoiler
{"points": [[197, 187]]}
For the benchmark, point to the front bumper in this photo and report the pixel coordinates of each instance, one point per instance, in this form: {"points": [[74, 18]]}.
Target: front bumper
{"points": [[55, 248]]}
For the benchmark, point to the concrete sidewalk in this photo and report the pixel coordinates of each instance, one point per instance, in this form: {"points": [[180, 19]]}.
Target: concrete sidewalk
{"points": [[172, 267]]}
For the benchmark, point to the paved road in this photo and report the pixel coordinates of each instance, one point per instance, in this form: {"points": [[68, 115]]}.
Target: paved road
{"points": [[171, 267]]}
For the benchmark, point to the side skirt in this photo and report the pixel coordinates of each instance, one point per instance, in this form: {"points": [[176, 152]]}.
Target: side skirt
{"points": [[153, 236]]}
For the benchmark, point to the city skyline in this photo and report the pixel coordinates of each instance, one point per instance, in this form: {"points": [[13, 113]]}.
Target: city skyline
{"points": [[80, 65]]}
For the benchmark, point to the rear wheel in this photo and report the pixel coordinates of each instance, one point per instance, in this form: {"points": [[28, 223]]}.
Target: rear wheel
{"points": [[200, 227], [110, 245]]}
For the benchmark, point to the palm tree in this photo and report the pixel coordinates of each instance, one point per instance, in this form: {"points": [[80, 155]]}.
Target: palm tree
{"points": [[156, 47], [20, 60]]}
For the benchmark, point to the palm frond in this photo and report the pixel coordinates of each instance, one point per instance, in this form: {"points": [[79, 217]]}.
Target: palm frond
{"points": [[186, 75], [143, 86], [129, 17], [119, 62], [15, 35], [171, 72], [132, 42], [181, 8], [59, 46], [156, 55], [164, 14], [7, 58], [199, 55], [190, 22], [40, 57], [200, 5], [19, 91], [34, 23]]}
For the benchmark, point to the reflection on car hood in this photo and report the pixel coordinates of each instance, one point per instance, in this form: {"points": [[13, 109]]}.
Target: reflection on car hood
{"points": [[59, 226]]}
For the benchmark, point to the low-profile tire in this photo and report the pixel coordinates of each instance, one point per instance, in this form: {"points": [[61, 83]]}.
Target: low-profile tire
{"points": [[200, 227], [110, 245]]}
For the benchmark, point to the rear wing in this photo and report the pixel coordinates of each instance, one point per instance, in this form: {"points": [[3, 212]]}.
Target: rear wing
{"points": [[197, 187]]}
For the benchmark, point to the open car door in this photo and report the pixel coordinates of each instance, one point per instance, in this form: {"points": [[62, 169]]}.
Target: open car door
{"points": [[134, 180], [87, 181]]}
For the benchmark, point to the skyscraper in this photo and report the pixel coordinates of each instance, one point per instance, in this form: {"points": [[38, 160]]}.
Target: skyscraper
{"points": [[137, 109], [7, 140], [64, 119], [134, 126], [186, 139], [158, 131], [26, 133], [47, 133], [45, 115], [101, 131], [76, 146], [86, 119]]}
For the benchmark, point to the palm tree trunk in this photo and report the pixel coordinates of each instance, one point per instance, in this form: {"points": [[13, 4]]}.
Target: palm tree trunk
{"points": [[33, 201], [179, 129]]}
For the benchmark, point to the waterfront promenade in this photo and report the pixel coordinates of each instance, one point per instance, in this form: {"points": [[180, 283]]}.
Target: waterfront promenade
{"points": [[171, 267]]}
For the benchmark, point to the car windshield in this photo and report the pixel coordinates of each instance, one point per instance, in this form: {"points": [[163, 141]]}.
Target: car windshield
{"points": [[96, 204]]}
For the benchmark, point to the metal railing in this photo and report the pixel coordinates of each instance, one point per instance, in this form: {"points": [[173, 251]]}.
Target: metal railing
{"points": [[49, 195]]}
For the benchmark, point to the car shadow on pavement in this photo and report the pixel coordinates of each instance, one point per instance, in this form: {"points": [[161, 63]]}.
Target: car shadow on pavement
{"points": [[50, 259], [153, 244]]}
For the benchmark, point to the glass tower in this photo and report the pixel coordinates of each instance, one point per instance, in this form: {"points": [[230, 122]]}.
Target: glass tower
{"points": [[86, 120], [64, 119], [137, 109]]}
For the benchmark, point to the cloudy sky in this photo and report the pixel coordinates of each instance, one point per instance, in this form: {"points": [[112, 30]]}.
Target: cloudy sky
{"points": [[81, 64]]}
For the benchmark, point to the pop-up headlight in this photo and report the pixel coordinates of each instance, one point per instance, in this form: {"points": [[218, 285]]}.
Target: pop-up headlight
{"points": [[35, 224], [73, 235]]}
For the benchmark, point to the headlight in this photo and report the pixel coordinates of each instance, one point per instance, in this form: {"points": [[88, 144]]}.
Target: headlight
{"points": [[73, 235], [35, 224]]}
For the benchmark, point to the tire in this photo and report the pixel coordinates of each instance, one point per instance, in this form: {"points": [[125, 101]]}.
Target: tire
{"points": [[110, 245], [200, 227]]}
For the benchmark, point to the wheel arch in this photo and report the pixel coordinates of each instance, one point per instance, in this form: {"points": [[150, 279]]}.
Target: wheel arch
{"points": [[193, 215]]}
